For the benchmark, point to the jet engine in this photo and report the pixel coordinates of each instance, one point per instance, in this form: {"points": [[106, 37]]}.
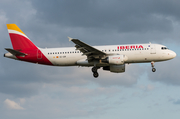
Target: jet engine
{"points": [[115, 68], [115, 59]]}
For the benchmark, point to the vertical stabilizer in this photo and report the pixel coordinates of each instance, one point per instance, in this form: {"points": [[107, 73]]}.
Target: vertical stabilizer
{"points": [[18, 39]]}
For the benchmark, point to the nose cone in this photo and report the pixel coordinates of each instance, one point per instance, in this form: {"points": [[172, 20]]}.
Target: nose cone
{"points": [[173, 54]]}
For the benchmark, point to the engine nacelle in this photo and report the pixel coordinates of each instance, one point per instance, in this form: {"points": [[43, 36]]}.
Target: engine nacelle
{"points": [[115, 68], [115, 59]]}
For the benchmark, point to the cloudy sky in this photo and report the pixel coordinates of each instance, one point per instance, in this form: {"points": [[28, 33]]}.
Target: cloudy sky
{"points": [[42, 92]]}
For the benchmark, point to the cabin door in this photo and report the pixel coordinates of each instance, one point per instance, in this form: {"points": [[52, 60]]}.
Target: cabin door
{"points": [[39, 54], [153, 49]]}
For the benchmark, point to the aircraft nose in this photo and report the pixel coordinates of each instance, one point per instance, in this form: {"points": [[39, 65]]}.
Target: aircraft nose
{"points": [[173, 54]]}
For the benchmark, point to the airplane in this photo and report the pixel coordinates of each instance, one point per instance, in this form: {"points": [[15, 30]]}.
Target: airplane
{"points": [[111, 57]]}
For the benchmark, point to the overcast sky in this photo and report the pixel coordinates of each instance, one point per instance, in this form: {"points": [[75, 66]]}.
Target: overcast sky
{"points": [[31, 91]]}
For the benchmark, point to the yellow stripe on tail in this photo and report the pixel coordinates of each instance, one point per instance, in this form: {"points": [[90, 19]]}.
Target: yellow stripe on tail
{"points": [[14, 27]]}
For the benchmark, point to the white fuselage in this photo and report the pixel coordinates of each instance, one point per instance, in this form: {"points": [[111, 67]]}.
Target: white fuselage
{"points": [[71, 57]]}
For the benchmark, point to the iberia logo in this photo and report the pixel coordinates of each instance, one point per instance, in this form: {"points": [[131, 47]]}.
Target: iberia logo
{"points": [[130, 47]]}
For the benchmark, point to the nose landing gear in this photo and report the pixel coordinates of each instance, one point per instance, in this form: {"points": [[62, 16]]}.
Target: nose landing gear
{"points": [[153, 69], [95, 73]]}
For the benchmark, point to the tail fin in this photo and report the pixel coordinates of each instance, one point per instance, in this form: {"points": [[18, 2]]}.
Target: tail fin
{"points": [[18, 39]]}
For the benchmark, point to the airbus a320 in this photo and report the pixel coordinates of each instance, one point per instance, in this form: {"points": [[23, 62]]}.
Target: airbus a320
{"points": [[110, 57]]}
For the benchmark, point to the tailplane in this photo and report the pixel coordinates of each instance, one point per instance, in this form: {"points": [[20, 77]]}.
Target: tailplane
{"points": [[18, 39], [15, 52]]}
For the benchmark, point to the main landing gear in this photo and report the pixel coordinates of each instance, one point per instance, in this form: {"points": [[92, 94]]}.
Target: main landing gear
{"points": [[153, 69], [95, 73]]}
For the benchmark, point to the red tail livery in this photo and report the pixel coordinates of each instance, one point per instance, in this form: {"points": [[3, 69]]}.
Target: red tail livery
{"points": [[23, 47]]}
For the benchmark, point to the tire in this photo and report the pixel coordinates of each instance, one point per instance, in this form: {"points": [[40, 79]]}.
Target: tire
{"points": [[95, 74], [153, 70], [94, 69]]}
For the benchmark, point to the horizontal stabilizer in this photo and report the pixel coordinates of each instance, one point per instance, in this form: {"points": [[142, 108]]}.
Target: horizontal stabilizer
{"points": [[15, 52]]}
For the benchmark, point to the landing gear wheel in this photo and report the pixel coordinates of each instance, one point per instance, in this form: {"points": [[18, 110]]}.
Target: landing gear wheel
{"points": [[152, 65], [94, 69], [95, 74], [153, 69]]}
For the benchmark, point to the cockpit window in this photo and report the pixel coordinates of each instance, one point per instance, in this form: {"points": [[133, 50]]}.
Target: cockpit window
{"points": [[164, 48]]}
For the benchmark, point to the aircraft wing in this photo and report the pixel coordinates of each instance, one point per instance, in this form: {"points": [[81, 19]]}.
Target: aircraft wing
{"points": [[86, 49]]}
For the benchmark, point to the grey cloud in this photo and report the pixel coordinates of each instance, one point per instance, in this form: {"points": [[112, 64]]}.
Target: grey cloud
{"points": [[26, 79], [177, 102], [18, 79], [17, 11], [124, 16], [83, 76]]}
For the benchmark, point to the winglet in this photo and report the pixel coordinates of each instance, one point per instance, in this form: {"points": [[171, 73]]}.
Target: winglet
{"points": [[70, 39]]}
